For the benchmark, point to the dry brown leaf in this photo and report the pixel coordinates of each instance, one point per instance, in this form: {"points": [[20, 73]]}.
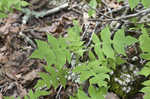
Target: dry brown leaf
{"points": [[4, 30], [30, 76], [3, 59]]}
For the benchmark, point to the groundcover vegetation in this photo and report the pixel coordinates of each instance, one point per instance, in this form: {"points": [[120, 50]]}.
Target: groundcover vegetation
{"points": [[111, 56]]}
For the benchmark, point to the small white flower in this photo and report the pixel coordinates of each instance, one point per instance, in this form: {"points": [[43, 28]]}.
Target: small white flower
{"points": [[128, 89], [127, 80], [124, 88]]}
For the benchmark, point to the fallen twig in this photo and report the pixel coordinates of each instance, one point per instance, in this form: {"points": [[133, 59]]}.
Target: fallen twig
{"points": [[146, 11], [54, 10]]}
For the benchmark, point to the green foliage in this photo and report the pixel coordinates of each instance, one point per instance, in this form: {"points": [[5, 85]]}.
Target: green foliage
{"points": [[145, 70], [52, 78], [133, 3], [94, 92], [120, 41], [9, 97], [54, 51], [146, 89], [144, 44], [57, 51], [97, 93], [106, 46], [119, 0], [7, 6], [97, 69], [93, 5], [80, 95], [36, 94], [92, 69], [74, 43], [146, 3]]}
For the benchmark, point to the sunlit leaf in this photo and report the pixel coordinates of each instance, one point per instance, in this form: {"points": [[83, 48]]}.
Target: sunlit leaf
{"points": [[133, 3]]}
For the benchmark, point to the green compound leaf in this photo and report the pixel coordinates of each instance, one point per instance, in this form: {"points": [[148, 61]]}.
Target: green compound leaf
{"points": [[3, 15], [56, 78], [130, 40], [146, 3], [84, 72], [95, 39], [119, 0], [146, 90], [120, 41], [74, 32], [133, 3], [107, 49], [45, 78], [96, 93], [40, 83], [54, 51], [92, 69], [93, 4], [44, 52], [63, 45], [145, 44], [91, 12], [53, 42], [37, 94], [75, 45], [99, 79], [26, 97], [147, 83], [145, 70], [91, 56], [99, 52], [6, 97], [7, 6], [24, 3], [53, 76], [145, 41], [145, 55], [31, 95], [81, 95], [62, 76], [105, 35], [147, 95]]}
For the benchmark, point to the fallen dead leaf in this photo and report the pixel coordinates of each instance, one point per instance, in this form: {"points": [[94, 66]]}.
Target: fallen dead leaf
{"points": [[30, 76], [3, 59]]}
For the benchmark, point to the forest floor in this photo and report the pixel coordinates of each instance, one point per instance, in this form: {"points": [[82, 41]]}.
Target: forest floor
{"points": [[18, 72]]}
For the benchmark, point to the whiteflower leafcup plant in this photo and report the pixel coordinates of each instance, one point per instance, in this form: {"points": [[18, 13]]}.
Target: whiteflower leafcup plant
{"points": [[58, 51]]}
